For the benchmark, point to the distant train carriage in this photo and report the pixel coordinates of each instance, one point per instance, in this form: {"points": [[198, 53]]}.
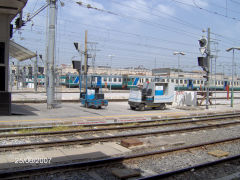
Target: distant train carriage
{"points": [[72, 81], [131, 81]]}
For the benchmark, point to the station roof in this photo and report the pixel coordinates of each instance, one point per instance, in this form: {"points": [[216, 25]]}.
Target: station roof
{"points": [[12, 7], [19, 52]]}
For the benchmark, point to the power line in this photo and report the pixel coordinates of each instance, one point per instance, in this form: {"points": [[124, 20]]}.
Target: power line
{"points": [[236, 2], [218, 6], [174, 19], [154, 24], [122, 32], [207, 10]]}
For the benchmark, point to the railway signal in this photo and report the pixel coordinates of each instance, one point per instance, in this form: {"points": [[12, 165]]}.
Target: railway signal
{"points": [[204, 61], [203, 45]]}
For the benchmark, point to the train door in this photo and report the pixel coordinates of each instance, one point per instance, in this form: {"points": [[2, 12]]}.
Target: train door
{"points": [[225, 85], [190, 84], [124, 81], [99, 81], [135, 83]]}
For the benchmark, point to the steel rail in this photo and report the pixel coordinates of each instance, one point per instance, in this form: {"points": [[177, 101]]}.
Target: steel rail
{"points": [[118, 128], [199, 166], [108, 138], [117, 123], [87, 164]]}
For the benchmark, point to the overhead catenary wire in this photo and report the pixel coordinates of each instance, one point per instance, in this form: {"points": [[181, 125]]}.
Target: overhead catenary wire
{"points": [[172, 18], [207, 10], [154, 24]]}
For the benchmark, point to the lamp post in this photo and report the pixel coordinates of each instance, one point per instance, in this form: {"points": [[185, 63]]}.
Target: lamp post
{"points": [[111, 56], [178, 53], [229, 49]]}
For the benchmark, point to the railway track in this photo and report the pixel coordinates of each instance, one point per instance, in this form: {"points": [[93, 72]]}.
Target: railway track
{"points": [[117, 124], [192, 170], [7, 129], [120, 160], [111, 137]]}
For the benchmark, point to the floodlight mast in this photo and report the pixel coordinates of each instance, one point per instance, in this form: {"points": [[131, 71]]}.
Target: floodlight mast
{"points": [[178, 53], [232, 90]]}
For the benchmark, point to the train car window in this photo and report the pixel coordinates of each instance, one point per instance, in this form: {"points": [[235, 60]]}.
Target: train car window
{"points": [[176, 80], [201, 82], [119, 79], [172, 80], [167, 80], [115, 80], [222, 82], [109, 79], [181, 81], [198, 82], [105, 79], [234, 83], [194, 82], [147, 79], [185, 81]]}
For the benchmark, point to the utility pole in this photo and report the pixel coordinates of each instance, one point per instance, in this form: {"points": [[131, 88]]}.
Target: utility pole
{"points": [[208, 65], [51, 54], [46, 69], [85, 60], [155, 66], [17, 75], [35, 73]]}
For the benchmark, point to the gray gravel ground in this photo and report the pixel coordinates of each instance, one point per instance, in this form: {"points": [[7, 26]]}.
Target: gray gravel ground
{"points": [[223, 171]]}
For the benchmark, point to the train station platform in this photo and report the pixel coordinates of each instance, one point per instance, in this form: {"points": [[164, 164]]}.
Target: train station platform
{"points": [[74, 113]]}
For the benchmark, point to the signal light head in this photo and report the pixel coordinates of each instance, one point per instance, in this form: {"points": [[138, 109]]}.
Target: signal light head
{"points": [[203, 42]]}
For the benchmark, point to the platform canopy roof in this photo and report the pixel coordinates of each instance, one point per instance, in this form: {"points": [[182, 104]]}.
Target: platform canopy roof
{"points": [[11, 7], [19, 52]]}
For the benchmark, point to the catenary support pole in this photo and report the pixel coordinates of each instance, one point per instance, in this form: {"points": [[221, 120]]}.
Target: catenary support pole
{"points": [[85, 62], [232, 80], [208, 66], [51, 54], [35, 73]]}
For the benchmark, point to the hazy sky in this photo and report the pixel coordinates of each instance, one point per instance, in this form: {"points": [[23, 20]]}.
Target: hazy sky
{"points": [[140, 32]]}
